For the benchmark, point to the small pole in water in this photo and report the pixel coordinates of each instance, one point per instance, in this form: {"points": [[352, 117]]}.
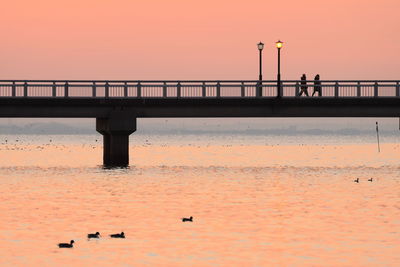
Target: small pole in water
{"points": [[377, 136]]}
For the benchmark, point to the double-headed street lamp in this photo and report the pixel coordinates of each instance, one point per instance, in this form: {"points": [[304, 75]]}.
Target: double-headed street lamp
{"points": [[260, 46], [279, 45]]}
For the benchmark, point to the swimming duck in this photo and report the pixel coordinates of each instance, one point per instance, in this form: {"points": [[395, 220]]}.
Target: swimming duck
{"points": [[357, 180], [370, 180], [66, 245], [187, 219], [121, 235], [96, 235]]}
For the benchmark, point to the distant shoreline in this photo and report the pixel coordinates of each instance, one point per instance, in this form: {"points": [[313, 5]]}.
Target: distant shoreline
{"points": [[312, 132], [64, 129]]}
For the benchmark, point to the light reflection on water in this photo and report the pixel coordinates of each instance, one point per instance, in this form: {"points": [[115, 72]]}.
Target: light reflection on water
{"points": [[253, 204]]}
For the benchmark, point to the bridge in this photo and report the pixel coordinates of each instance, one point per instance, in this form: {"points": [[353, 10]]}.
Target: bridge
{"points": [[117, 104]]}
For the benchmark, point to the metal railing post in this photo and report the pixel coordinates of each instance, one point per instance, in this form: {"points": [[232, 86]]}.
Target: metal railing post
{"points": [[397, 89], [164, 92], [279, 89], [259, 89], [125, 89], [242, 90], [358, 89], [178, 89], [13, 90], [54, 90], [297, 88], [107, 89], [376, 89], [218, 89], [25, 89], [94, 89], [336, 89], [139, 89], [203, 90], [66, 89]]}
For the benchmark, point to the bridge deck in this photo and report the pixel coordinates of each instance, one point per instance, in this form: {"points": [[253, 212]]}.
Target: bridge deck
{"points": [[200, 107], [96, 99]]}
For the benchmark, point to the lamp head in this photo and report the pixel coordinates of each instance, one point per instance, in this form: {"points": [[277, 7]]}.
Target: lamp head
{"points": [[279, 44], [260, 46]]}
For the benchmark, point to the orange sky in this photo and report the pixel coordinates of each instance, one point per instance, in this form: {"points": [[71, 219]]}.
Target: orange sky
{"points": [[208, 39]]}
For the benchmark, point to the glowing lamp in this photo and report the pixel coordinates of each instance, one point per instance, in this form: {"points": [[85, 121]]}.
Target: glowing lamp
{"points": [[279, 44]]}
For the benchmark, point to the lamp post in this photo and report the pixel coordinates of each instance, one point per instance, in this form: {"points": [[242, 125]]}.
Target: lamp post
{"points": [[260, 46], [279, 86]]}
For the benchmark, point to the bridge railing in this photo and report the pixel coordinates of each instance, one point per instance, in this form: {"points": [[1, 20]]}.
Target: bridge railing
{"points": [[194, 89]]}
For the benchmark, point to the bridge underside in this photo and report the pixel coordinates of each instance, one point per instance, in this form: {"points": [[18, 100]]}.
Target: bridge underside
{"points": [[199, 107], [116, 118]]}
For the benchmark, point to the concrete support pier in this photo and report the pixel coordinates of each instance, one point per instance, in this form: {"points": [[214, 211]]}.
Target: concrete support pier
{"points": [[116, 130]]}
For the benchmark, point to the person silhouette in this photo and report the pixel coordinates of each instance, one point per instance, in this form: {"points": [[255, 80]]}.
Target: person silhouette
{"points": [[304, 86], [317, 86]]}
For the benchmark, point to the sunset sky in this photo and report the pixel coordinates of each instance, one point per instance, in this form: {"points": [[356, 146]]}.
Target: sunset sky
{"points": [[208, 39]]}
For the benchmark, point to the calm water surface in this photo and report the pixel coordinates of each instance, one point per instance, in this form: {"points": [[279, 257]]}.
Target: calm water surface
{"points": [[256, 201]]}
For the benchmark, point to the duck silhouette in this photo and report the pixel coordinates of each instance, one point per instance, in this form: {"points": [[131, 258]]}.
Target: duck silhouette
{"points": [[67, 245], [357, 180], [121, 235], [370, 180], [187, 219], [96, 235]]}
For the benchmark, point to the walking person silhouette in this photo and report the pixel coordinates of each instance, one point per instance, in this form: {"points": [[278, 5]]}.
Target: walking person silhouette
{"points": [[304, 86], [317, 86]]}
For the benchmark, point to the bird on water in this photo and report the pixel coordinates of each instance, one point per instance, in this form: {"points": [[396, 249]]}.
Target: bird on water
{"points": [[96, 235], [67, 245], [357, 180], [370, 180], [121, 235], [187, 219]]}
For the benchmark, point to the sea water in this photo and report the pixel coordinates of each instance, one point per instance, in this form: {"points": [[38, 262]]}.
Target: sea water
{"points": [[256, 201]]}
